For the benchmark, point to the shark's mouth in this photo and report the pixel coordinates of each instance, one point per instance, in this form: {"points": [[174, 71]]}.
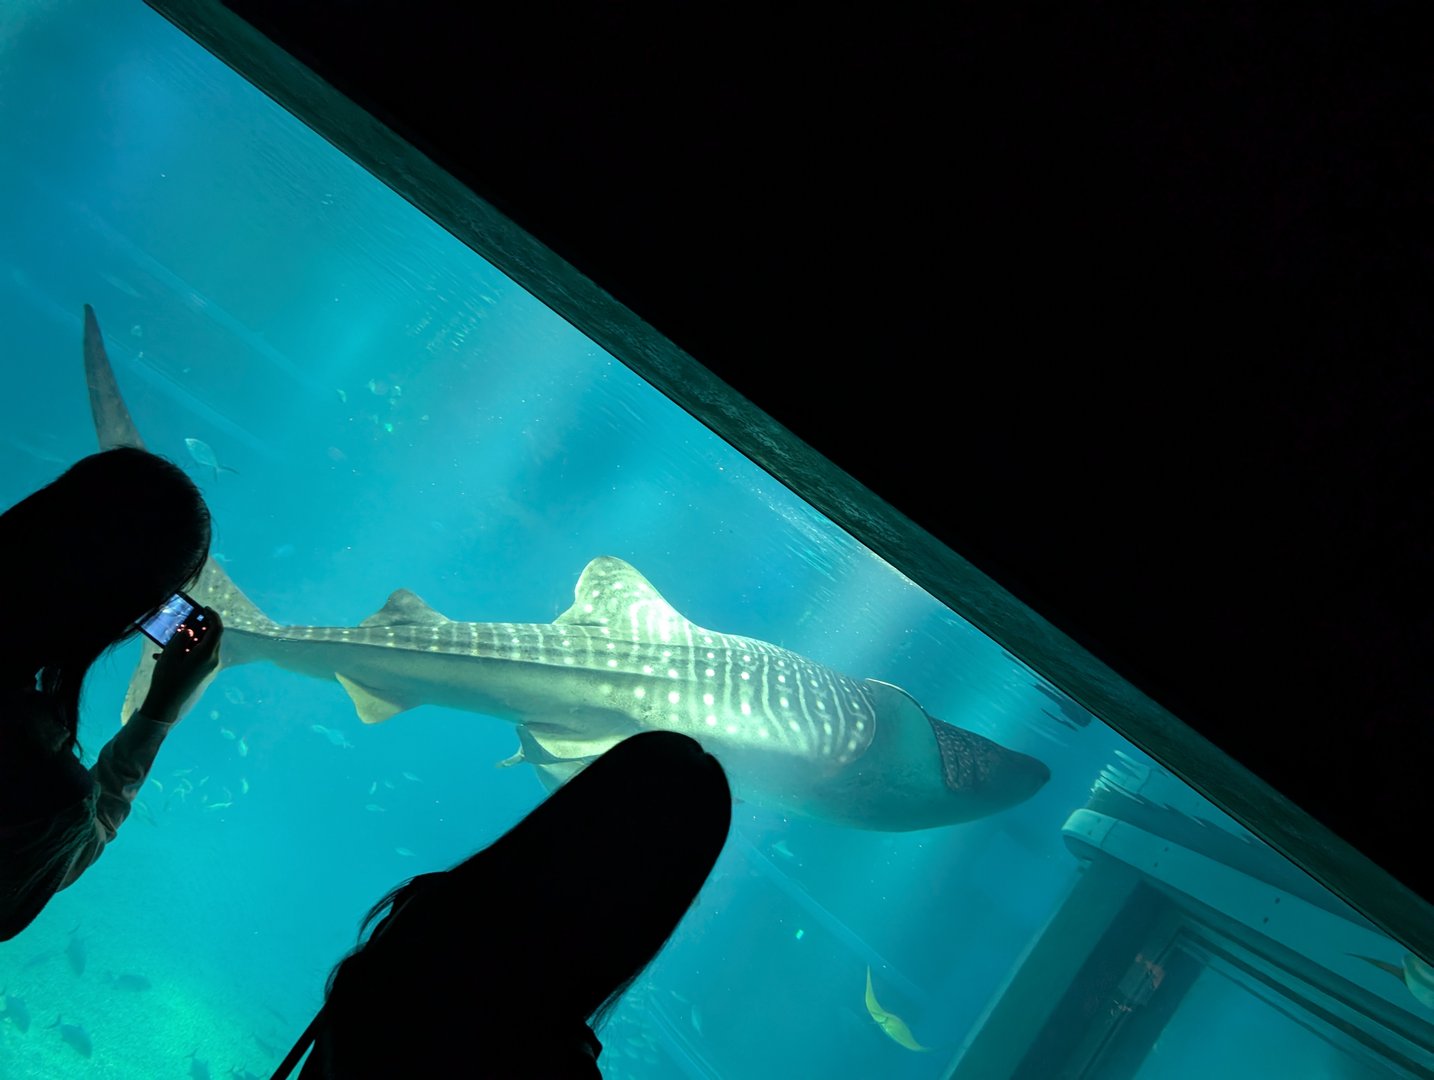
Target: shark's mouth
{"points": [[968, 760]]}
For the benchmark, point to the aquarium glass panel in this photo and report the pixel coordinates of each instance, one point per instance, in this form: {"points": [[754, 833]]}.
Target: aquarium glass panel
{"points": [[950, 870]]}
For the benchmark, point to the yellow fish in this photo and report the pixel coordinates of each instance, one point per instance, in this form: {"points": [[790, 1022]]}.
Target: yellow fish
{"points": [[894, 1026]]}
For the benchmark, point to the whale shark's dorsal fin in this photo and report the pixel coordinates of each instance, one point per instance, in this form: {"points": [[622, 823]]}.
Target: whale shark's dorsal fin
{"points": [[611, 592], [404, 608]]}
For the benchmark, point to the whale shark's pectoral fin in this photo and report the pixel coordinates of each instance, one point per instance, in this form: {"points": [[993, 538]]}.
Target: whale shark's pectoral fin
{"points": [[372, 707], [895, 1027], [551, 742], [556, 760]]}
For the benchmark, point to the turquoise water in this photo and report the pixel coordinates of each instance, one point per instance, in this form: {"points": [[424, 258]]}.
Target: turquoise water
{"points": [[394, 413]]}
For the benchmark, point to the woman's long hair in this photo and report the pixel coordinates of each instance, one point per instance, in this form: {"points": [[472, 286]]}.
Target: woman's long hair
{"points": [[563, 911], [89, 555]]}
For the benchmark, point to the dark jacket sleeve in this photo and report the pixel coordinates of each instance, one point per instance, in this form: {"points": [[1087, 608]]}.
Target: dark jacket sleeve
{"points": [[119, 773]]}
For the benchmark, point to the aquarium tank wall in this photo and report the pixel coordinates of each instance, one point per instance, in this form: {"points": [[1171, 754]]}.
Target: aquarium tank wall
{"points": [[370, 405]]}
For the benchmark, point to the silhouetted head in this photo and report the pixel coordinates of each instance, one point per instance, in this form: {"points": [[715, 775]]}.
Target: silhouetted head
{"points": [[545, 928], [89, 555]]}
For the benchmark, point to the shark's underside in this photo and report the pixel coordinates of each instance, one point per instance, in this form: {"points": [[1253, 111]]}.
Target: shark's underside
{"points": [[791, 733]]}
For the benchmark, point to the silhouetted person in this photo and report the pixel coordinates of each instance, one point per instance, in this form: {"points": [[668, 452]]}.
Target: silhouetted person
{"points": [[87, 558], [496, 968]]}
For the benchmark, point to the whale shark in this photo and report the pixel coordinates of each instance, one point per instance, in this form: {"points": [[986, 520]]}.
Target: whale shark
{"points": [[793, 734]]}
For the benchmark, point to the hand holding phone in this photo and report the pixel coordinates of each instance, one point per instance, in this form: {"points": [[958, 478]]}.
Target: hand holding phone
{"points": [[190, 656]]}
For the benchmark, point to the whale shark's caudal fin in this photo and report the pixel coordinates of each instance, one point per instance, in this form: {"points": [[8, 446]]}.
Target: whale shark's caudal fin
{"points": [[114, 427], [113, 423]]}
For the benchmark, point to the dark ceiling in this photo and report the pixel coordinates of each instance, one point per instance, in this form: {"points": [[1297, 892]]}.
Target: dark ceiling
{"points": [[1128, 304]]}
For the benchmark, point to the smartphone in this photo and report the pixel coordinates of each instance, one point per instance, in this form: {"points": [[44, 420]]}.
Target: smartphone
{"points": [[179, 611]]}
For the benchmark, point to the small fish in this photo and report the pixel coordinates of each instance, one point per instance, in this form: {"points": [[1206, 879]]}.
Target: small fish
{"points": [[75, 1035], [243, 747], [1415, 974], [895, 1027], [243, 786], [780, 847], [405, 852], [388, 784], [198, 1069], [157, 784], [49, 454], [336, 737], [373, 787], [126, 981], [182, 772], [145, 812], [697, 1019], [374, 808], [342, 395], [15, 1011], [214, 714], [219, 806], [283, 551], [122, 285], [203, 453], [75, 952], [40, 958], [410, 776], [227, 733], [234, 695]]}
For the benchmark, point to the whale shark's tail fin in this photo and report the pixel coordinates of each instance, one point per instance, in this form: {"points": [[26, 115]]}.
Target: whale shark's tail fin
{"points": [[113, 424], [214, 588]]}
